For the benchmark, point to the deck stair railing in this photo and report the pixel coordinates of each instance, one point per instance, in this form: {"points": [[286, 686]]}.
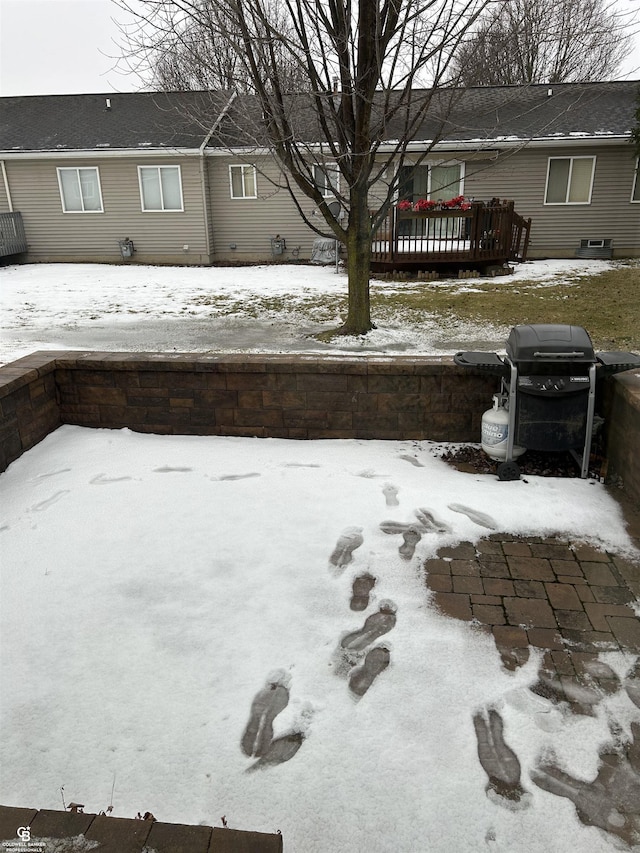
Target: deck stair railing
{"points": [[13, 239]]}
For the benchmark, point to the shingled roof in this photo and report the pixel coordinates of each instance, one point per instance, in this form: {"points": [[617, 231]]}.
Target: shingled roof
{"points": [[183, 120], [537, 111], [112, 121]]}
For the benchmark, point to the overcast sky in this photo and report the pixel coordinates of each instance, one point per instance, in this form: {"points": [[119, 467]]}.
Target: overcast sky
{"points": [[50, 47], [60, 47]]}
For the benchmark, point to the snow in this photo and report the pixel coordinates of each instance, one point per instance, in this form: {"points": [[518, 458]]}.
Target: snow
{"points": [[226, 309], [152, 585]]}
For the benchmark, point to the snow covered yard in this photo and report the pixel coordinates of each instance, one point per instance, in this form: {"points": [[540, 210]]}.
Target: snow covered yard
{"points": [[153, 586], [226, 309], [179, 633]]}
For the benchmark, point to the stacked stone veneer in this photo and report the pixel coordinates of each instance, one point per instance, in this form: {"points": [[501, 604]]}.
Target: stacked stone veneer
{"points": [[299, 397], [621, 405]]}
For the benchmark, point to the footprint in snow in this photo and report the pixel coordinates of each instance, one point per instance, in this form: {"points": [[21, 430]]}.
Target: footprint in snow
{"points": [[103, 480], [350, 539], [375, 626], [393, 527], [411, 537], [362, 677], [430, 522], [477, 517], [360, 591], [412, 460], [257, 739], [267, 704], [40, 507], [238, 476], [280, 750], [390, 494], [498, 760], [301, 465], [52, 473]]}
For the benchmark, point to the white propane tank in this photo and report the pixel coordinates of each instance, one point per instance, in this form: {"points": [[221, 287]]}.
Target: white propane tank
{"points": [[495, 430]]}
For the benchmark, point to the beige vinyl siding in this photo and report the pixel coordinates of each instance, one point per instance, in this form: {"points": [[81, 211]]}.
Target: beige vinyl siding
{"points": [[251, 223], [557, 230], [158, 237]]}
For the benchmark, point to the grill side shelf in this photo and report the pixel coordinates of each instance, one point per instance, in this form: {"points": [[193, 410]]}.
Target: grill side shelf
{"points": [[488, 362], [616, 362]]}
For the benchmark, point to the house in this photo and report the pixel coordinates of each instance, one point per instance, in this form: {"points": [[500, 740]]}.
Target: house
{"points": [[177, 177]]}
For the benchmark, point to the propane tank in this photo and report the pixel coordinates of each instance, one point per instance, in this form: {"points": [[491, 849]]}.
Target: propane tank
{"points": [[495, 430]]}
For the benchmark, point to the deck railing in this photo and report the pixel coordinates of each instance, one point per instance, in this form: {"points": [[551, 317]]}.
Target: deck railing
{"points": [[481, 234], [13, 239]]}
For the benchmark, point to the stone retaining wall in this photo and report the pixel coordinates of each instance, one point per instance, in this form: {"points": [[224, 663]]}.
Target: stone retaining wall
{"points": [[274, 396], [47, 829], [622, 407]]}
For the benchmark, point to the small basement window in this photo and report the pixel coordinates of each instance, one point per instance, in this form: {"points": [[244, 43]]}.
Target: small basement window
{"points": [[595, 244]]}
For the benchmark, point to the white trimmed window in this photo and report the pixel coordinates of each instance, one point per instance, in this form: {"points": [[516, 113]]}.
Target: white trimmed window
{"points": [[160, 188], [242, 180], [327, 179], [569, 180], [80, 190], [434, 181], [635, 195]]}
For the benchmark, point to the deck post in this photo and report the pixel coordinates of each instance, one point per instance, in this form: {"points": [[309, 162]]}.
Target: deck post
{"points": [[476, 229]]}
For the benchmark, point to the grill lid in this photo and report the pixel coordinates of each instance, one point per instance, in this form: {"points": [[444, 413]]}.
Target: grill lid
{"points": [[550, 342]]}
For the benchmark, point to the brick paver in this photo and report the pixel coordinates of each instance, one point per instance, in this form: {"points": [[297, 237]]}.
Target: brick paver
{"points": [[549, 593]]}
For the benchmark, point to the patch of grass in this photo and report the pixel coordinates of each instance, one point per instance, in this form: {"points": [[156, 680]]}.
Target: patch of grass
{"points": [[607, 305]]}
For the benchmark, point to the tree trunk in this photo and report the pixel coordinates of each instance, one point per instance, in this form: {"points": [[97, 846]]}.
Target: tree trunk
{"points": [[358, 320]]}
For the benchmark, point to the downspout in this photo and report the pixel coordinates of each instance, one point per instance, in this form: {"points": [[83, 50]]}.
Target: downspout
{"points": [[203, 175], [6, 186]]}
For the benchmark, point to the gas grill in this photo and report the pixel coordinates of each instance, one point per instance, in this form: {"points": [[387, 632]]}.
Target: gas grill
{"points": [[548, 387]]}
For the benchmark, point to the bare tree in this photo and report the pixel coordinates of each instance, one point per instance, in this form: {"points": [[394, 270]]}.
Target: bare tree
{"points": [[330, 81], [545, 41]]}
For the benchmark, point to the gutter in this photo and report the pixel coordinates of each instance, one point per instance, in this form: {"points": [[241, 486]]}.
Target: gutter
{"points": [[489, 146], [497, 144], [97, 153]]}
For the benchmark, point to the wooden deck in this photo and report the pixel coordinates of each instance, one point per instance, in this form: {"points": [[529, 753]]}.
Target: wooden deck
{"points": [[477, 237]]}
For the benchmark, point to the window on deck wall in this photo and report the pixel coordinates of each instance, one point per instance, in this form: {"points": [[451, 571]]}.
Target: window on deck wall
{"points": [[569, 180], [326, 178], [160, 188], [243, 181], [438, 182], [80, 190], [635, 195]]}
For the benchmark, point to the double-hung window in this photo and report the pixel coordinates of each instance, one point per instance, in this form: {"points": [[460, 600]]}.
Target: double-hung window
{"points": [[635, 194], [569, 180], [326, 178], [80, 190], [242, 180], [160, 188]]}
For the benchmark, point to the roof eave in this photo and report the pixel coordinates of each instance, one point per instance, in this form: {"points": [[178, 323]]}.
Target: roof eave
{"points": [[509, 142], [488, 146], [94, 153]]}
